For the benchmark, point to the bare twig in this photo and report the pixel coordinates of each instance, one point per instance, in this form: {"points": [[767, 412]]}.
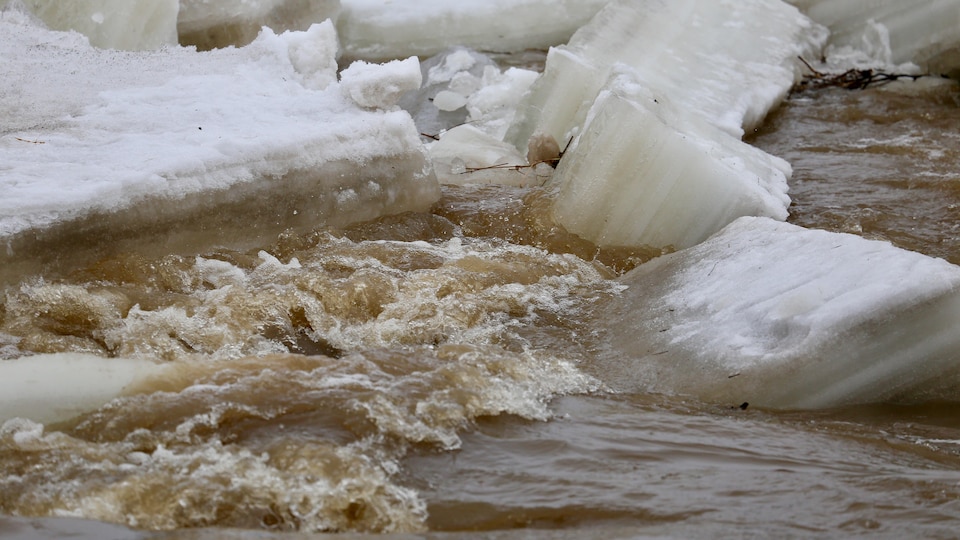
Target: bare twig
{"points": [[852, 79]]}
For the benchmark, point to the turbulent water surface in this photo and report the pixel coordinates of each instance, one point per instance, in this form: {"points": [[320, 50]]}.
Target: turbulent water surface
{"points": [[431, 374]]}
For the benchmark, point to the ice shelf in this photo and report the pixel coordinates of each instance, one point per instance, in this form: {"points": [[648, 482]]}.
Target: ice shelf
{"points": [[199, 147], [780, 316], [655, 97]]}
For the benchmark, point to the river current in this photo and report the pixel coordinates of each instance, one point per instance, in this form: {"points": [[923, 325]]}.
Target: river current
{"points": [[430, 375]]}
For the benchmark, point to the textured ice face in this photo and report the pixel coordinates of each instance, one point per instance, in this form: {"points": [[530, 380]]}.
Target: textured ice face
{"points": [[781, 316], [653, 111]]}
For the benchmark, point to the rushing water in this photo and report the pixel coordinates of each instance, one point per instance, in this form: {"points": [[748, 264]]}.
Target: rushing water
{"points": [[431, 374]]}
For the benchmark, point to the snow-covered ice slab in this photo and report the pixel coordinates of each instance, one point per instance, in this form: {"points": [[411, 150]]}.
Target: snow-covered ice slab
{"points": [[387, 29], [101, 149], [776, 315], [705, 70], [110, 24], [893, 32], [209, 25]]}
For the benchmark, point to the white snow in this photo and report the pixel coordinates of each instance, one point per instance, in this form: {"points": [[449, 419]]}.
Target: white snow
{"points": [[388, 29], [661, 93], [776, 315], [112, 24], [161, 134]]}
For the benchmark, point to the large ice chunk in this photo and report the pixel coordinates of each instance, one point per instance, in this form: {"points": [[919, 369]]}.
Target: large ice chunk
{"points": [[224, 147], [389, 29], [776, 315], [112, 24], [702, 72], [892, 32], [208, 25], [645, 171], [729, 62]]}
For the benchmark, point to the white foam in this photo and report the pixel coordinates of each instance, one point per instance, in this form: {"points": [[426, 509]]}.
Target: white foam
{"points": [[776, 315]]}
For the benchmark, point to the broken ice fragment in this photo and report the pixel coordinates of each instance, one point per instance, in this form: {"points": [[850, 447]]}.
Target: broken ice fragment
{"points": [[380, 86]]}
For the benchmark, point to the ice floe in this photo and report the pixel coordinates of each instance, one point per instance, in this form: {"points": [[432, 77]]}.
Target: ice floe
{"points": [[655, 97], [775, 315], [183, 142], [389, 29]]}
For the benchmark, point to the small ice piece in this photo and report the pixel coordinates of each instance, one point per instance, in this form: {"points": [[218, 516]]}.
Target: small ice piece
{"points": [[211, 25], [313, 54], [113, 24], [377, 30], [439, 75], [380, 86], [451, 64], [466, 155], [445, 100], [780, 316]]}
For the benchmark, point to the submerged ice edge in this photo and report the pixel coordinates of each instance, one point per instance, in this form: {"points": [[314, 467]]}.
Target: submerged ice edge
{"points": [[779, 316], [196, 142]]}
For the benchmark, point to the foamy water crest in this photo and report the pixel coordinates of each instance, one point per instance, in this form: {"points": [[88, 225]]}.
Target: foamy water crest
{"points": [[409, 343]]}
